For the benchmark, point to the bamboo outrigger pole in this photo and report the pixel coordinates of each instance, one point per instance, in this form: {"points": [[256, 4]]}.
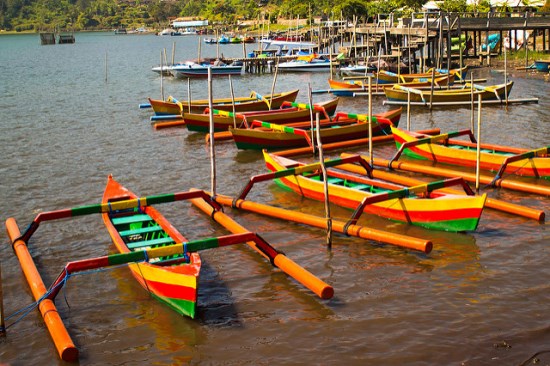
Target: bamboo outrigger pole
{"points": [[63, 343], [301, 275]]}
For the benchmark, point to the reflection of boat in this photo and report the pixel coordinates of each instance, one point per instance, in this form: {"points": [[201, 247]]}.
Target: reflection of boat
{"points": [[200, 122], [255, 102], [542, 65], [533, 163], [193, 69], [421, 206], [492, 92], [172, 280]]}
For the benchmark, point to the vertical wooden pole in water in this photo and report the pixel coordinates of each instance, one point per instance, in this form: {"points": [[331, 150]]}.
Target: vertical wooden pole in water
{"points": [[432, 88], [371, 158], [324, 171], [174, 53], [212, 143], [274, 81], [311, 120], [106, 66], [232, 101], [408, 110], [199, 51], [161, 77], [478, 152], [506, 78], [473, 101], [189, 95]]}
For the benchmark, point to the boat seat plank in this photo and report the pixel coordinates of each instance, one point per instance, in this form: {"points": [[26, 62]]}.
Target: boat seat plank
{"points": [[362, 187], [143, 230], [150, 243], [334, 180], [130, 219]]}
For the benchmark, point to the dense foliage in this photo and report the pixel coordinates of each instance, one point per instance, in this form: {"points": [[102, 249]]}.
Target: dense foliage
{"points": [[22, 15]]}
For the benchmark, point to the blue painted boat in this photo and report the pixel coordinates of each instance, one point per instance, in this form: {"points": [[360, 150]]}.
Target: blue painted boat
{"points": [[542, 65]]}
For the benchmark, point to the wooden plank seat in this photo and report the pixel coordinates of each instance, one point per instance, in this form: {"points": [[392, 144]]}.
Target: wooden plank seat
{"points": [[143, 230], [150, 243], [130, 219]]}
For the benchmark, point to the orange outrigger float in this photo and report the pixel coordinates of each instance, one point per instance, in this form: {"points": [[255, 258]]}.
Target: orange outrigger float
{"points": [[163, 264]]}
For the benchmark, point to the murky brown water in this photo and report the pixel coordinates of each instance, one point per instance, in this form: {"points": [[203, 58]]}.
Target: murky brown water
{"points": [[478, 299]]}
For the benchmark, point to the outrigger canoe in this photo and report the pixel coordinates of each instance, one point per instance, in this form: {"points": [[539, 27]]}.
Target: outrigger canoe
{"points": [[493, 92], [288, 113], [504, 159], [421, 206], [387, 77], [343, 127], [348, 88], [174, 280], [254, 102]]}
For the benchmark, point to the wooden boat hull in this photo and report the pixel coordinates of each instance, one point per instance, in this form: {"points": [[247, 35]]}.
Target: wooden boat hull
{"points": [[451, 95], [541, 65], [200, 122], [443, 212], [465, 155], [258, 139], [386, 77], [242, 104], [173, 281], [359, 85]]}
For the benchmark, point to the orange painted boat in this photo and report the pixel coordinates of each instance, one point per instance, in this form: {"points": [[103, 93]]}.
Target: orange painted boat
{"points": [[201, 122], [255, 102], [421, 205], [343, 127], [173, 280], [504, 159]]}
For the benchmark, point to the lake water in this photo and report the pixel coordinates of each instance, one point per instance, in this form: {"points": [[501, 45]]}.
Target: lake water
{"points": [[70, 117]]}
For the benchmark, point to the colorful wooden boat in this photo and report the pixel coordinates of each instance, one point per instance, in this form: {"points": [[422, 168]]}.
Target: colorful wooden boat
{"points": [[172, 281], [349, 88], [509, 160], [493, 92], [343, 127], [387, 77], [254, 102], [200, 122], [426, 208]]}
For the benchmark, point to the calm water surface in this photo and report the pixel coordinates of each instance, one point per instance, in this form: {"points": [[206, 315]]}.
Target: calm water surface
{"points": [[70, 117]]}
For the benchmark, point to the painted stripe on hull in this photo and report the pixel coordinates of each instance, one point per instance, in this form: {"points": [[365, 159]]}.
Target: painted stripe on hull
{"points": [[465, 219], [463, 157]]}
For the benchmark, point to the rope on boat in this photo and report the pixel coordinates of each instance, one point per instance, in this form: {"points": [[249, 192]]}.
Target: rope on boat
{"points": [[23, 312]]}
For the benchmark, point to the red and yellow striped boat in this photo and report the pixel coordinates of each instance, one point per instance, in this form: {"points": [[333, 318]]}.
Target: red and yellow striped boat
{"points": [[532, 163], [173, 280], [421, 206]]}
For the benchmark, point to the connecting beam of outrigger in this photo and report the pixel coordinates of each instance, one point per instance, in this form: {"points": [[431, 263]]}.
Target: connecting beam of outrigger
{"points": [[429, 140]]}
